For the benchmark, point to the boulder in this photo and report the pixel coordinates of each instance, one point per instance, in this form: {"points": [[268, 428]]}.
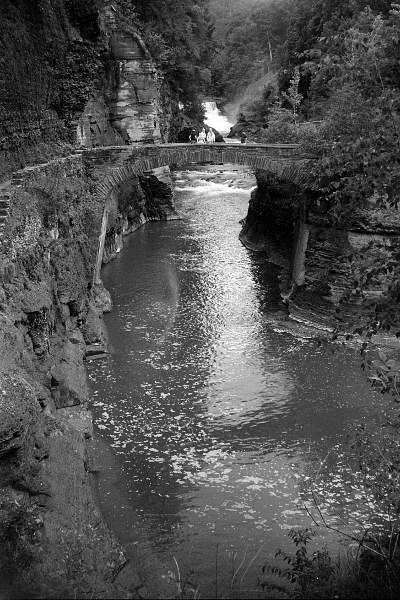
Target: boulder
{"points": [[241, 125], [101, 298]]}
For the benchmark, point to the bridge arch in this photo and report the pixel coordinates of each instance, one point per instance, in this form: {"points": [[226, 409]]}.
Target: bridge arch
{"points": [[110, 166]]}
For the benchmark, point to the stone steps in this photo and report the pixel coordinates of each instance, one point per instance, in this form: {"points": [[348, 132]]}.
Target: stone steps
{"points": [[4, 209], [5, 195]]}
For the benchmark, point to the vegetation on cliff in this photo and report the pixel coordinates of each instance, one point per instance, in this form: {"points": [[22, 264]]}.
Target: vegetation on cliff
{"points": [[353, 86], [337, 64], [335, 91], [179, 36]]}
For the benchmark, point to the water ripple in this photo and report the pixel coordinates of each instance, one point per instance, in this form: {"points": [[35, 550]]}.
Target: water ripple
{"points": [[213, 416]]}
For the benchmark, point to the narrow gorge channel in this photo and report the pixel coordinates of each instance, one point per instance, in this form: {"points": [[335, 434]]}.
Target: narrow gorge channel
{"points": [[210, 413]]}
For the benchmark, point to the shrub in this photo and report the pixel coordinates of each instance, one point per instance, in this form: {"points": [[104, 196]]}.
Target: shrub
{"points": [[281, 127], [316, 574], [305, 571], [19, 534]]}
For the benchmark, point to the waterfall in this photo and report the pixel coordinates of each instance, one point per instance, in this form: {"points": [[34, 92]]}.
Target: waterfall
{"points": [[215, 119]]}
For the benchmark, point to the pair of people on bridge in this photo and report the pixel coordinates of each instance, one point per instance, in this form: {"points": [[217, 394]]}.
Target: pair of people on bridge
{"points": [[204, 137]]}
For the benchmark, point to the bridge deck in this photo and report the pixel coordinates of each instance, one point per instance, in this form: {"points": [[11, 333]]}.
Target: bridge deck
{"points": [[288, 152], [230, 143], [292, 148], [108, 166]]}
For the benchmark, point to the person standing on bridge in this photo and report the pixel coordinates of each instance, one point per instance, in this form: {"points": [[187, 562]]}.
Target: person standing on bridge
{"points": [[210, 136], [201, 138], [243, 137]]}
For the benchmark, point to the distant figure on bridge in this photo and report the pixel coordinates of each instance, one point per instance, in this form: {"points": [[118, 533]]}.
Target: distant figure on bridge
{"points": [[210, 136], [193, 137], [243, 137], [201, 138]]}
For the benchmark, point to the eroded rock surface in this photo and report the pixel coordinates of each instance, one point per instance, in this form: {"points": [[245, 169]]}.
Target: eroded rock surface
{"points": [[270, 227], [69, 82], [51, 320]]}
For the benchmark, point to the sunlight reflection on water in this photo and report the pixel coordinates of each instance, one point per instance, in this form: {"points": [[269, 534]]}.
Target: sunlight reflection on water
{"points": [[213, 417]]}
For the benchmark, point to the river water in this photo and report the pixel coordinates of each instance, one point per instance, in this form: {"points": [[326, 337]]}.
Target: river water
{"points": [[216, 417]]}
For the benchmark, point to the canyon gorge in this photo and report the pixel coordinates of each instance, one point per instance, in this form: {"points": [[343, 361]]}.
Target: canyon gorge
{"points": [[70, 192]]}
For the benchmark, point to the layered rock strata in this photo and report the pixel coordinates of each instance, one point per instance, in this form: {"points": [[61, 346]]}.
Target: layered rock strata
{"points": [[51, 318], [72, 76], [74, 79], [316, 255]]}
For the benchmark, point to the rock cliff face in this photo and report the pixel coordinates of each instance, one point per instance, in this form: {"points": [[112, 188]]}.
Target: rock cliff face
{"points": [[51, 318], [70, 77], [127, 108], [134, 103], [72, 74], [277, 225]]}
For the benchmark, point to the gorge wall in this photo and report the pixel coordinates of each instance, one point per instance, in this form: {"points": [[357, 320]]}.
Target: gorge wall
{"points": [[71, 76], [321, 259], [51, 308], [72, 73]]}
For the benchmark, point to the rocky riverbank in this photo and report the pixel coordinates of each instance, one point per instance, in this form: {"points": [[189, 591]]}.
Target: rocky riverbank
{"points": [[333, 255], [75, 75], [51, 315]]}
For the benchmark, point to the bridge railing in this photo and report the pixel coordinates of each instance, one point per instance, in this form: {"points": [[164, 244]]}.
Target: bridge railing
{"points": [[110, 154]]}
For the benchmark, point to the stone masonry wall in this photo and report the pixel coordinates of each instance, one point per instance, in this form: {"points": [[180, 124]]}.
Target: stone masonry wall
{"points": [[131, 204]]}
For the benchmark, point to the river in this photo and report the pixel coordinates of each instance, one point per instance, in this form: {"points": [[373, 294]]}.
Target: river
{"points": [[217, 417]]}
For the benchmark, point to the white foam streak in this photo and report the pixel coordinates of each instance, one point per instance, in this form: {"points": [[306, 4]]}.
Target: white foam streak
{"points": [[209, 187]]}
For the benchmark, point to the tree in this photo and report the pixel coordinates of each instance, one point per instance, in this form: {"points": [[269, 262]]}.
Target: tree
{"points": [[247, 37], [292, 95], [362, 112]]}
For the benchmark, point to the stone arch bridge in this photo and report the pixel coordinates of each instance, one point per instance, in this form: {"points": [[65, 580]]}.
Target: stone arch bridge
{"points": [[110, 166]]}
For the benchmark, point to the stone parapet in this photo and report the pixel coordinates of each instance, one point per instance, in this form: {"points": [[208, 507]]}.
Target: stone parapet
{"points": [[111, 165]]}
